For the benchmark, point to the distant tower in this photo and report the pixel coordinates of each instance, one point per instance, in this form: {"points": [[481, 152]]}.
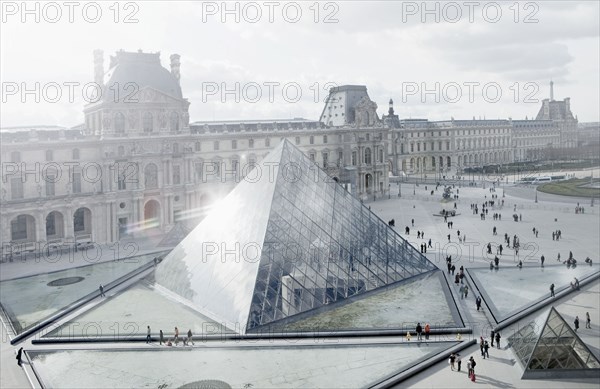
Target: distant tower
{"points": [[175, 66], [391, 109], [99, 67], [551, 90]]}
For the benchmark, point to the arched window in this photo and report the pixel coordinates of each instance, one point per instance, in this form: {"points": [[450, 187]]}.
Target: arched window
{"points": [[119, 123], [174, 121], [151, 176], [148, 124], [368, 156]]}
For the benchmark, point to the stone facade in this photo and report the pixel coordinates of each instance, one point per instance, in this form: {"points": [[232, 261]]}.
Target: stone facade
{"points": [[137, 164]]}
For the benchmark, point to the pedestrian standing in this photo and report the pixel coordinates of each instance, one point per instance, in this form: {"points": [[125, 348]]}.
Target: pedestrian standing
{"points": [[576, 323], [498, 339], [486, 348], [413, 222], [462, 292], [148, 338], [189, 336], [473, 364], [492, 337], [542, 259], [451, 360], [419, 331], [101, 289], [588, 321], [161, 337], [19, 356], [478, 302], [458, 361], [552, 290], [176, 339], [427, 330], [466, 291]]}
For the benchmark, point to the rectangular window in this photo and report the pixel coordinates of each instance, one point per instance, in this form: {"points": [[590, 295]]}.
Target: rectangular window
{"points": [[234, 144], [340, 158], [354, 158], [447, 145], [325, 159], [312, 140], [50, 180], [251, 143], [76, 183], [418, 147], [324, 138], [216, 145], [176, 174], [121, 183], [439, 145], [16, 188]]}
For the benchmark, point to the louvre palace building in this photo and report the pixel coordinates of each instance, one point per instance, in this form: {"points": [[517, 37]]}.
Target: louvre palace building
{"points": [[131, 167]]}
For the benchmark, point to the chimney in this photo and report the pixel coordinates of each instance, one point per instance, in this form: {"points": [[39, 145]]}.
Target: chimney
{"points": [[551, 90], [99, 67], [391, 107], [175, 64]]}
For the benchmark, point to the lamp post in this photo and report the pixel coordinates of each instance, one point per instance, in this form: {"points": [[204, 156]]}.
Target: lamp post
{"points": [[413, 189], [536, 195], [399, 189], [389, 191]]}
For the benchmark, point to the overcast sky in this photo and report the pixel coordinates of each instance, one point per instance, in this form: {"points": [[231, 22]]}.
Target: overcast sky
{"points": [[383, 45]]}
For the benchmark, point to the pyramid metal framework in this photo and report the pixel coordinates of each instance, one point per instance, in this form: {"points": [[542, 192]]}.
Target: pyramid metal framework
{"points": [[287, 241], [549, 347]]}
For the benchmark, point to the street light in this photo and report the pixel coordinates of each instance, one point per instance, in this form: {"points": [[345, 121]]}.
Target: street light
{"points": [[399, 189], [389, 191], [536, 195], [413, 189]]}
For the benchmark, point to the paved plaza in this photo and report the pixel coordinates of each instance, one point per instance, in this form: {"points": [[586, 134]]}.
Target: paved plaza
{"points": [[362, 361]]}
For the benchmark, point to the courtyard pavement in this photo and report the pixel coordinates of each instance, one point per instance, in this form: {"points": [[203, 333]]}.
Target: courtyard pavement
{"points": [[579, 234]]}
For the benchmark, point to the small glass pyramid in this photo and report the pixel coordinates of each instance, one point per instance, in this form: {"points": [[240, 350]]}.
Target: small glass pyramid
{"points": [[549, 343], [287, 241]]}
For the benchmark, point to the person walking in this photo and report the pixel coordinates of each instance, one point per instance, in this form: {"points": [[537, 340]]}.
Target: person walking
{"points": [[498, 339], [148, 338], [466, 291], [452, 359], [19, 356], [189, 337], [542, 259], [478, 302], [428, 329], [101, 289], [486, 348], [161, 337], [176, 338], [552, 290], [481, 343], [576, 323], [458, 361], [419, 331], [588, 321], [492, 337]]}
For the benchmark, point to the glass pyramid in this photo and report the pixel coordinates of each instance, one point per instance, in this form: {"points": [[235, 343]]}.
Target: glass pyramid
{"points": [[287, 241], [551, 345]]}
